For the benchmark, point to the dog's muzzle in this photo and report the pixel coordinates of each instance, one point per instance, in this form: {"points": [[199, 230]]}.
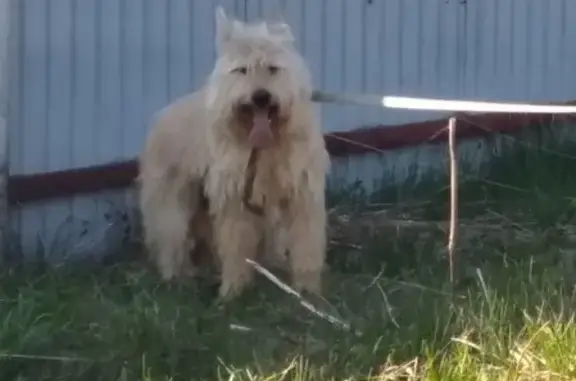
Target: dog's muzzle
{"points": [[261, 117], [261, 98]]}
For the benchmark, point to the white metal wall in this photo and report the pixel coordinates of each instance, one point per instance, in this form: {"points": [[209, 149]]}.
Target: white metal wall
{"points": [[4, 37], [90, 73]]}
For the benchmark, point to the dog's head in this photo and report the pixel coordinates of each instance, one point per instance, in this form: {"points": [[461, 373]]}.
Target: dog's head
{"points": [[258, 78]]}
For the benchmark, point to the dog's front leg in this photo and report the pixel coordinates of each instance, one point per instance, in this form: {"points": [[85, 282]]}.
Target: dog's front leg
{"points": [[237, 234], [307, 241]]}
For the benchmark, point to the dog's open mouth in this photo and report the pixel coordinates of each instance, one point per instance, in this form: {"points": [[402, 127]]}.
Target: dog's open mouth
{"points": [[261, 124]]}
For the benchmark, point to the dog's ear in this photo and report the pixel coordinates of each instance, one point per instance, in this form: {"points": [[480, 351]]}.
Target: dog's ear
{"points": [[282, 31], [223, 27]]}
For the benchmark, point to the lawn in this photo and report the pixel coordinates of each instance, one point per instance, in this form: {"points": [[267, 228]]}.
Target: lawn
{"points": [[389, 313]]}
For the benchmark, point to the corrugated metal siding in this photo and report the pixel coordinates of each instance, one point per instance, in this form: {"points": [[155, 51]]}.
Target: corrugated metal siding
{"points": [[5, 22], [90, 73], [507, 50]]}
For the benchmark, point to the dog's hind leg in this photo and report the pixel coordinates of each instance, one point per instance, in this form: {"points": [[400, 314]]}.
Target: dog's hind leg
{"points": [[201, 236], [166, 213]]}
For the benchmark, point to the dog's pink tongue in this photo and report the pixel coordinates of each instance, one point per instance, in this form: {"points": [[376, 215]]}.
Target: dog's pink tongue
{"points": [[261, 134]]}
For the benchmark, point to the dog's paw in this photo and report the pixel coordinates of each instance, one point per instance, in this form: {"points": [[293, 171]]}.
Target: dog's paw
{"points": [[310, 282]]}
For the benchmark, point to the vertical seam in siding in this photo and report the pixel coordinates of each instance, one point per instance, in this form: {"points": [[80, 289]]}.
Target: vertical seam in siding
{"points": [[19, 43], [545, 48], [73, 75], [419, 39], [382, 44], [495, 35], [48, 54], [363, 60], [303, 26], [168, 50], [121, 63], [527, 78], [144, 55], [400, 52], [511, 24], [343, 81], [439, 49], [323, 28], [463, 46], [97, 75], [191, 58]]}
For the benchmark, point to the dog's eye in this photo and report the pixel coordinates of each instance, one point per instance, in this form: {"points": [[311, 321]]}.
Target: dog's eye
{"points": [[240, 70], [273, 69]]}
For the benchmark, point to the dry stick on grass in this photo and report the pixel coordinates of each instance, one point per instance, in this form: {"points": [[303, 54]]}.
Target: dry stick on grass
{"points": [[453, 235], [290, 291]]}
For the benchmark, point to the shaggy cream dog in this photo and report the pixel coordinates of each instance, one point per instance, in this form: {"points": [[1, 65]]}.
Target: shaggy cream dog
{"points": [[250, 141]]}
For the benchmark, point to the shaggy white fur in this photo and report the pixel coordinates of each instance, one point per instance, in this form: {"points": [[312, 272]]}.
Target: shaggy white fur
{"points": [[202, 143]]}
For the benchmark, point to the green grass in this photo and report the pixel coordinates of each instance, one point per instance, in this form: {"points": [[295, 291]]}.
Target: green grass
{"points": [[509, 317]]}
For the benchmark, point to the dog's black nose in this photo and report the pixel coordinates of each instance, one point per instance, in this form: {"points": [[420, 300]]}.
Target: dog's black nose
{"points": [[261, 98]]}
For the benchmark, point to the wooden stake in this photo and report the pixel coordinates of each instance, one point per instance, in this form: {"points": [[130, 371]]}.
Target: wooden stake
{"points": [[453, 165]]}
